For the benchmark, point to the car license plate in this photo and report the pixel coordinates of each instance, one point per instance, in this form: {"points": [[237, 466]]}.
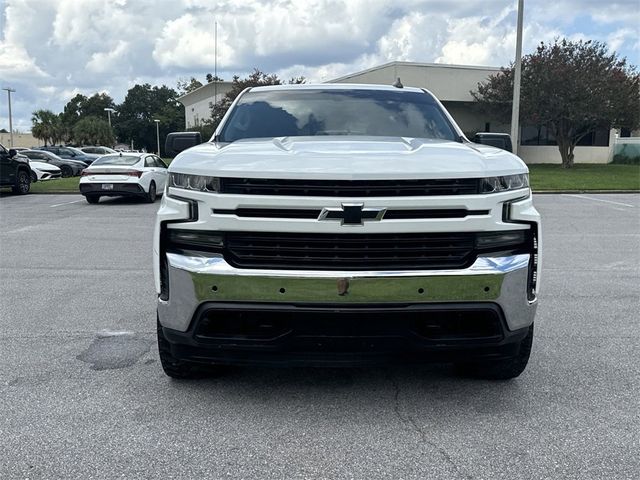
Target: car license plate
{"points": [[107, 186]]}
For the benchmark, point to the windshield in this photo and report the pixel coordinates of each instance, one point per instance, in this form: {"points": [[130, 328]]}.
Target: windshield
{"points": [[116, 160], [293, 113], [77, 151]]}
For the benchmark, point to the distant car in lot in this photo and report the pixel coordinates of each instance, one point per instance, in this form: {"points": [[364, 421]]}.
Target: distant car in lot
{"points": [[68, 168], [15, 171], [43, 171], [140, 175], [70, 153], [98, 150]]}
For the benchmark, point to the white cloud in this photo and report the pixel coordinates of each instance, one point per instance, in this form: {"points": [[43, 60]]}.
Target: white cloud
{"points": [[50, 49], [15, 63], [107, 61]]}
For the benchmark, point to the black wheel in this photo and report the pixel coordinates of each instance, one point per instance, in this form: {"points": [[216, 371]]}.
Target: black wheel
{"points": [[34, 177], [501, 369], [92, 198], [151, 195], [179, 369], [23, 183], [66, 171]]}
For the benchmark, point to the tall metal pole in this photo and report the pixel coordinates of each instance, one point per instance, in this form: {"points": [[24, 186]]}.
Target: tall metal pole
{"points": [[215, 63], [158, 134], [9, 90], [109, 110], [515, 112]]}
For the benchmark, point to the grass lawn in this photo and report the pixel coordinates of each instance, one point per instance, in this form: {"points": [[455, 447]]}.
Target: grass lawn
{"points": [[584, 177], [543, 177], [59, 185]]}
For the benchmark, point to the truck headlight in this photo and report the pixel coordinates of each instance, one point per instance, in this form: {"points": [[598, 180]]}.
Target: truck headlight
{"points": [[503, 184], [199, 183]]}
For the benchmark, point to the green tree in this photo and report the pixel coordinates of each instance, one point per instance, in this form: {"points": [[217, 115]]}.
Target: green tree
{"points": [[255, 79], [81, 107], [205, 128], [572, 88], [142, 105], [46, 126], [93, 131], [188, 86], [211, 78]]}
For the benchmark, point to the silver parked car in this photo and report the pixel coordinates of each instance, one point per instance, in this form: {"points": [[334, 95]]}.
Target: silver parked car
{"points": [[68, 167], [98, 150]]}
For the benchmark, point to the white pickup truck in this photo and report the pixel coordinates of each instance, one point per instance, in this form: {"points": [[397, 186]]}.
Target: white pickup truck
{"points": [[341, 224]]}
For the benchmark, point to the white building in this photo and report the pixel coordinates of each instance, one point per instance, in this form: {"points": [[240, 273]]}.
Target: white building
{"points": [[198, 103]]}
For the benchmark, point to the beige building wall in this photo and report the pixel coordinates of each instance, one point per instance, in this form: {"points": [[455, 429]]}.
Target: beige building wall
{"points": [[446, 82], [197, 104], [20, 140]]}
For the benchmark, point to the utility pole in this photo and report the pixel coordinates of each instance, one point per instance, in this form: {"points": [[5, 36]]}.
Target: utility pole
{"points": [[158, 134], [215, 63], [515, 111], [9, 90]]}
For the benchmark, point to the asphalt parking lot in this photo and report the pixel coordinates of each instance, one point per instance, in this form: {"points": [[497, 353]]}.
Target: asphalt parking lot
{"points": [[83, 394]]}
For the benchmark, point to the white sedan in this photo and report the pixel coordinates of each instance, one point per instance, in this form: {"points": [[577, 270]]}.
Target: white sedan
{"points": [[43, 171], [140, 175]]}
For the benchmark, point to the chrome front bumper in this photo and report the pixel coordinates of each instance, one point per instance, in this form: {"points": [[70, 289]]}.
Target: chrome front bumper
{"points": [[194, 280]]}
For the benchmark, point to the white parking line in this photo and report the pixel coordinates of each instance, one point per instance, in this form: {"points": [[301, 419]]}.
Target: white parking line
{"points": [[66, 203], [597, 199]]}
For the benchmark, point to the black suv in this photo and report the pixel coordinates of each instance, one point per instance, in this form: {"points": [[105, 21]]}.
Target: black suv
{"points": [[14, 171]]}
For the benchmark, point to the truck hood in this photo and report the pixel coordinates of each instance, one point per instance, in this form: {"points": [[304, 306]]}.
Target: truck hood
{"points": [[347, 158]]}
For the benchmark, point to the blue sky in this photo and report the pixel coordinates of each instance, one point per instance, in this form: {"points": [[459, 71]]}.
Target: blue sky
{"points": [[52, 49]]}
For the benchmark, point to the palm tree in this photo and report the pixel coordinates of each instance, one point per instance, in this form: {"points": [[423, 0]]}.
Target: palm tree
{"points": [[46, 126]]}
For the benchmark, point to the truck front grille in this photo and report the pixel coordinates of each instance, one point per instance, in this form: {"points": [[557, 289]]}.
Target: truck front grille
{"points": [[350, 188], [413, 251]]}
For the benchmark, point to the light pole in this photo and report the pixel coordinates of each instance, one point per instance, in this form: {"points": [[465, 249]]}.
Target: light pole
{"points": [[515, 111], [9, 90], [109, 111], [158, 134]]}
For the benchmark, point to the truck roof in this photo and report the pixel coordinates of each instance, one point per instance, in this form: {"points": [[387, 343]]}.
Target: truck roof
{"points": [[335, 86]]}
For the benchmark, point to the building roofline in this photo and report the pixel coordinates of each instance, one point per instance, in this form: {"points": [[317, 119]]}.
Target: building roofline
{"points": [[201, 88], [413, 64]]}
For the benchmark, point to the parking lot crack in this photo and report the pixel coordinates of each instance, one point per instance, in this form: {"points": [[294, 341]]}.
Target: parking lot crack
{"points": [[412, 426]]}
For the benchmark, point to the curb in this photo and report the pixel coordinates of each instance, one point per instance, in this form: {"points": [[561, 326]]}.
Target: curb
{"points": [[556, 192]]}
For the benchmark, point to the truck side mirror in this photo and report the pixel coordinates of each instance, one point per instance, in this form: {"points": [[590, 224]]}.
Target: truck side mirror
{"points": [[177, 142], [498, 140], [12, 152]]}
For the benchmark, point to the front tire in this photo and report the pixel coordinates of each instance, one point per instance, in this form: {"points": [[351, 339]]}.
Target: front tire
{"points": [[66, 171], [93, 199], [152, 195], [23, 183], [501, 369]]}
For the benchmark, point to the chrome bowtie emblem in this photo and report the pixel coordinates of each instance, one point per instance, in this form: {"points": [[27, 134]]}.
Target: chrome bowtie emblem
{"points": [[352, 214]]}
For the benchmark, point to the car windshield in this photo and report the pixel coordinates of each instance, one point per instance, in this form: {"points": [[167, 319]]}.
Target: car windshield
{"points": [[127, 160], [304, 112], [76, 150]]}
